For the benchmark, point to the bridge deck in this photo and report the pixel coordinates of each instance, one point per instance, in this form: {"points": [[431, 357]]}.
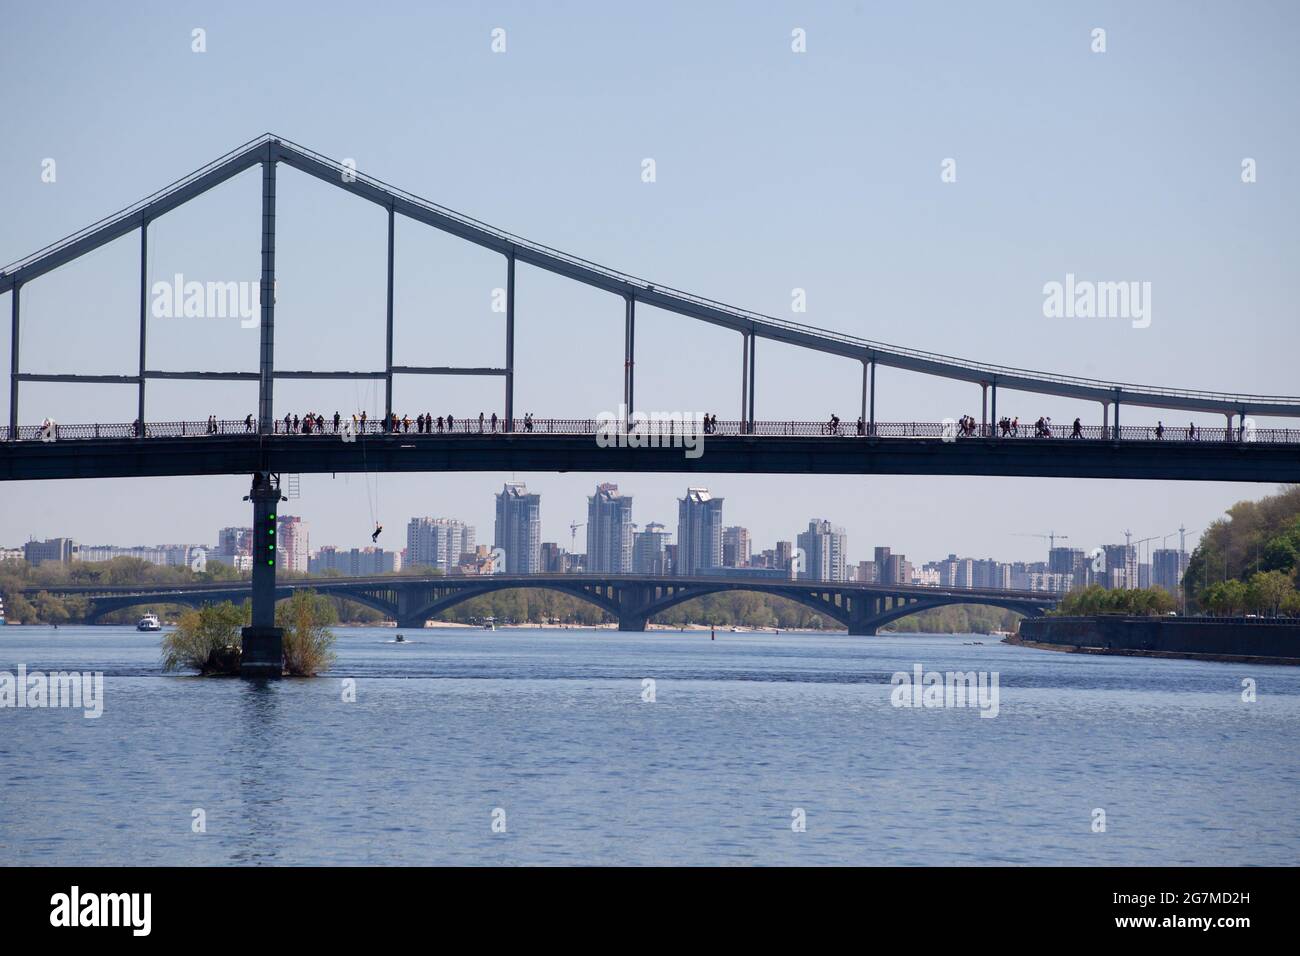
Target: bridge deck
{"points": [[84, 451]]}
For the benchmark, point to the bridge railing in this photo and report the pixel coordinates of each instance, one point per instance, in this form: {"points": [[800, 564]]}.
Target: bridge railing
{"points": [[409, 428]]}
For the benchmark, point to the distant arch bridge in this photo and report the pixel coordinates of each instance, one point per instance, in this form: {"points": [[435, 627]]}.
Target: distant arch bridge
{"points": [[632, 599]]}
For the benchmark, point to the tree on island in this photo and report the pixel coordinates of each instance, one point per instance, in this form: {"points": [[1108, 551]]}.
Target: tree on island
{"points": [[308, 642], [206, 640]]}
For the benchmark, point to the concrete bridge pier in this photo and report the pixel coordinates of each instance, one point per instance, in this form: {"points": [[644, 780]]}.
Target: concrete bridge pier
{"points": [[409, 602], [863, 612], [632, 603], [262, 652]]}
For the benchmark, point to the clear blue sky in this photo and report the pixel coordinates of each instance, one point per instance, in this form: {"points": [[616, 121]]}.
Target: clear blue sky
{"points": [[775, 170]]}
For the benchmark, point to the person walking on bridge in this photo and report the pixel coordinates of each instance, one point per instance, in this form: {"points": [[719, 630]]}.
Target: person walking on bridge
{"points": [[336, 421], [1078, 429]]}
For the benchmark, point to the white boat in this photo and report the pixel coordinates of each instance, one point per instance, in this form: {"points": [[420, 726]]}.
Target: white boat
{"points": [[149, 623], [2, 612], [490, 624]]}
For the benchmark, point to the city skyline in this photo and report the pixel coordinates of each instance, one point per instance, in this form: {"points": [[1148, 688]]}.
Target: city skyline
{"points": [[338, 511], [441, 543]]}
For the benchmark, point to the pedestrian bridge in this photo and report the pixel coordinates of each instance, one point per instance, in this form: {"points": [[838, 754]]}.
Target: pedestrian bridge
{"points": [[980, 447], [736, 447], [630, 599], [1241, 450]]}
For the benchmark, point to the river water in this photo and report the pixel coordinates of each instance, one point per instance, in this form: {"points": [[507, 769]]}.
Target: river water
{"points": [[548, 735]]}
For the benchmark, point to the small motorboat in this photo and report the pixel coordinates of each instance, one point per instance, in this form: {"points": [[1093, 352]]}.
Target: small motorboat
{"points": [[399, 639], [149, 622], [490, 624]]}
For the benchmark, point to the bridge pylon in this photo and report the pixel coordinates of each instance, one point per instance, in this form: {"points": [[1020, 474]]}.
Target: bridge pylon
{"points": [[633, 600], [864, 611], [262, 653]]}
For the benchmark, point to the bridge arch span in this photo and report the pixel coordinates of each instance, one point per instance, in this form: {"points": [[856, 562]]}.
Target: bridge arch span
{"points": [[804, 597], [878, 621], [98, 607], [446, 601]]}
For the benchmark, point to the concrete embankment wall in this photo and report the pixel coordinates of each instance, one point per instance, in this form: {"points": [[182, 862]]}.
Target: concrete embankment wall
{"points": [[1164, 635]]}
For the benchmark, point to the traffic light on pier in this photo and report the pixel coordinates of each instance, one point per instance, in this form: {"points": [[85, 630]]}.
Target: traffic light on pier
{"points": [[266, 546]]}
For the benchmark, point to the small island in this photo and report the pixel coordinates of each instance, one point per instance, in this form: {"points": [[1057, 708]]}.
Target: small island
{"points": [[207, 640]]}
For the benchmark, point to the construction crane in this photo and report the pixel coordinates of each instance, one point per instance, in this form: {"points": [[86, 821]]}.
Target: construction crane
{"points": [[1182, 533], [1050, 537], [573, 535], [1137, 554]]}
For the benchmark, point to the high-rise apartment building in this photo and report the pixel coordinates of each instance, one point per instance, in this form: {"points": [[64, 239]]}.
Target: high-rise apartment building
{"points": [[650, 550], [355, 562], [438, 543], [1167, 568], [291, 543], [518, 530], [735, 547], [699, 532], [609, 530], [60, 550], [823, 545], [1121, 571]]}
